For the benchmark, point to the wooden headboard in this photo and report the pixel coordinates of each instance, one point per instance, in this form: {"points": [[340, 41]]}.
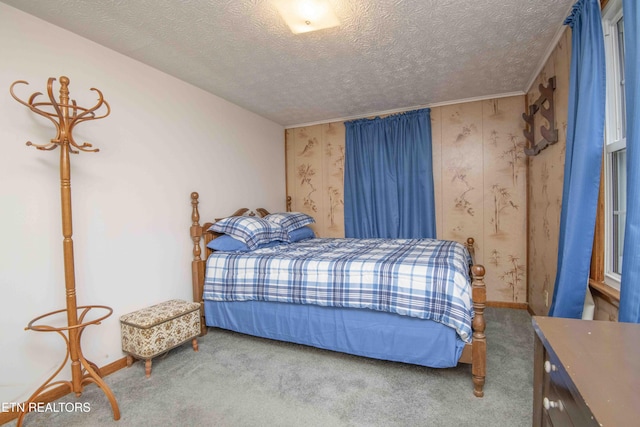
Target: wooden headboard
{"points": [[201, 233]]}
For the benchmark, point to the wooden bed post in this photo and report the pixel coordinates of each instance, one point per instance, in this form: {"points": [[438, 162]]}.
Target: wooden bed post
{"points": [[479, 349], [197, 265], [471, 248], [475, 353]]}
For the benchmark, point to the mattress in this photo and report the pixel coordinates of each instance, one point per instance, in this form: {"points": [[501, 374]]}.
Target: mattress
{"points": [[424, 279]]}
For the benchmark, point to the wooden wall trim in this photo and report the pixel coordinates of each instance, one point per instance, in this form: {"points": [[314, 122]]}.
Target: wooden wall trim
{"points": [[507, 304], [605, 292], [596, 271], [286, 168], [527, 214], [61, 391]]}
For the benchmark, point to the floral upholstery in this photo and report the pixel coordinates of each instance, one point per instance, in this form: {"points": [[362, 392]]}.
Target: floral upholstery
{"points": [[151, 331]]}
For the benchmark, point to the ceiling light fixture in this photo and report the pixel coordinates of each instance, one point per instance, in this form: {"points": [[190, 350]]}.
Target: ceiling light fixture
{"points": [[303, 16]]}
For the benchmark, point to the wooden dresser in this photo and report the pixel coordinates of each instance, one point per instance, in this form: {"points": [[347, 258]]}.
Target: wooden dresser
{"points": [[586, 373]]}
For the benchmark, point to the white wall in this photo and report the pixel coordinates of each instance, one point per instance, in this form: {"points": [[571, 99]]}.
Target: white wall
{"points": [[131, 205]]}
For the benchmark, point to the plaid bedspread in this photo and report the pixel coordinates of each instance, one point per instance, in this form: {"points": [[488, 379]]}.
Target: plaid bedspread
{"points": [[423, 278]]}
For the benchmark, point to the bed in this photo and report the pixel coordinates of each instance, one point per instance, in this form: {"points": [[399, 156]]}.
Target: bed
{"points": [[368, 297]]}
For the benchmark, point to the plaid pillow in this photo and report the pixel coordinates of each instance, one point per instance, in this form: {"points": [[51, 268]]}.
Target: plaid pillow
{"points": [[290, 220], [253, 231]]}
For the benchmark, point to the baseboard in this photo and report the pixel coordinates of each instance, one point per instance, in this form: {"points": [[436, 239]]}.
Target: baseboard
{"points": [[113, 367], [61, 391], [505, 304]]}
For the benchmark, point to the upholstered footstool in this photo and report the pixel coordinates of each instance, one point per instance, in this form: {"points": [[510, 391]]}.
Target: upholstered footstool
{"points": [[154, 330]]}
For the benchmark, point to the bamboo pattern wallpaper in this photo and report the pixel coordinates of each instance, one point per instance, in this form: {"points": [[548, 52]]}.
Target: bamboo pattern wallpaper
{"points": [[479, 175], [546, 174], [315, 169], [481, 187]]}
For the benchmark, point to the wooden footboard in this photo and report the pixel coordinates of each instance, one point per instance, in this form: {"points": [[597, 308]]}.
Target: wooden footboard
{"points": [[474, 353]]}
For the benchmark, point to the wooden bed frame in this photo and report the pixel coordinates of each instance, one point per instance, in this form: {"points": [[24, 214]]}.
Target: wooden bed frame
{"points": [[474, 353]]}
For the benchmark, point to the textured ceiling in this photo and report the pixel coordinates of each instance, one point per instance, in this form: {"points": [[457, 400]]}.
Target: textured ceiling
{"points": [[386, 55]]}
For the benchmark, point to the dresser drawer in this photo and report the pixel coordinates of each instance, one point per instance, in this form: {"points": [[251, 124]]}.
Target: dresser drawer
{"points": [[555, 412], [563, 400]]}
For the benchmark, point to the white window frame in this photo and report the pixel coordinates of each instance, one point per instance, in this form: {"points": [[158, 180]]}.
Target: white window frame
{"points": [[615, 138]]}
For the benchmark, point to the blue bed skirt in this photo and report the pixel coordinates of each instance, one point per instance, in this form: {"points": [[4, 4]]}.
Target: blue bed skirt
{"points": [[361, 332]]}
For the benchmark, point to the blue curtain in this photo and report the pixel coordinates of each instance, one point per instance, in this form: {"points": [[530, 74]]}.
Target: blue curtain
{"points": [[388, 177], [630, 284], [585, 138]]}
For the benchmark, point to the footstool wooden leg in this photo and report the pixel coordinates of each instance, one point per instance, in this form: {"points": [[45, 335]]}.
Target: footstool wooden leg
{"points": [[194, 343], [129, 360], [147, 368]]}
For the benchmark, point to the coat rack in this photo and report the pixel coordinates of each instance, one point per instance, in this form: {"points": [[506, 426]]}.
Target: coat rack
{"points": [[66, 115]]}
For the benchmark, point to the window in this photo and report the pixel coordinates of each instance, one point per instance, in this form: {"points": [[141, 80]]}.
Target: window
{"points": [[615, 163]]}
